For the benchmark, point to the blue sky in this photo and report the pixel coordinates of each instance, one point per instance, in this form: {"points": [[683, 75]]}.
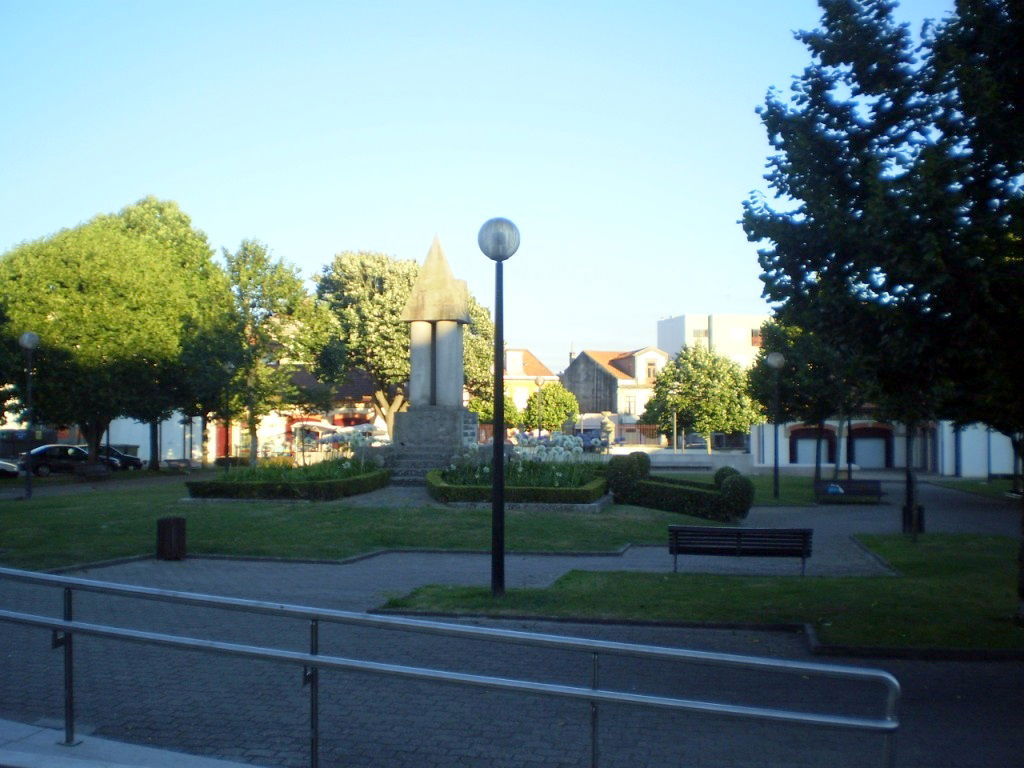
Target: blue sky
{"points": [[620, 137]]}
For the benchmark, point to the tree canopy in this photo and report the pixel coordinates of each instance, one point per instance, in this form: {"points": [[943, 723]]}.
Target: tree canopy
{"points": [[367, 292], [90, 294], [705, 391], [283, 328], [551, 406]]}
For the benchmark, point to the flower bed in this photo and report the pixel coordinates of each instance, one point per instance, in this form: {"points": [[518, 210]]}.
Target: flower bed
{"points": [[327, 480], [440, 490], [552, 472]]}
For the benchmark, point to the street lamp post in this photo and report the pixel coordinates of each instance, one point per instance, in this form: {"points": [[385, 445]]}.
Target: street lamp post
{"points": [[775, 361], [498, 239], [28, 341]]}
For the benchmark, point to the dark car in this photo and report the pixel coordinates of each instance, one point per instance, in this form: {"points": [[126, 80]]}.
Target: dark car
{"points": [[8, 469], [124, 460], [58, 458]]}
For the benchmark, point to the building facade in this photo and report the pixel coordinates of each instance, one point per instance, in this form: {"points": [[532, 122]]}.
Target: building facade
{"points": [[737, 337], [614, 381]]}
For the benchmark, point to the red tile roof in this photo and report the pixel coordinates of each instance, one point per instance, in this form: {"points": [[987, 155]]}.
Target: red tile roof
{"points": [[531, 365]]}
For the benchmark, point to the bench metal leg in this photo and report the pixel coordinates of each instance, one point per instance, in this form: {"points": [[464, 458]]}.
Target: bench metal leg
{"points": [[675, 562]]}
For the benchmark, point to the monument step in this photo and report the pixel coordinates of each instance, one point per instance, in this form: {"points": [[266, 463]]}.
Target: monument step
{"points": [[408, 481]]}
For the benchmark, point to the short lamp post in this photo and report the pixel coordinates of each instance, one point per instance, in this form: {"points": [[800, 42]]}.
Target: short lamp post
{"points": [[498, 239], [28, 341], [539, 381], [775, 361]]}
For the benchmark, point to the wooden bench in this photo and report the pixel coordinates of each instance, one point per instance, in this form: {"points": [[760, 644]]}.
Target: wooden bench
{"points": [[739, 542], [847, 491]]}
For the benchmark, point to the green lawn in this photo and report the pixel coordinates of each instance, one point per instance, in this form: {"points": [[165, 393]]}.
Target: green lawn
{"points": [[49, 532], [794, 490], [997, 487], [955, 592]]}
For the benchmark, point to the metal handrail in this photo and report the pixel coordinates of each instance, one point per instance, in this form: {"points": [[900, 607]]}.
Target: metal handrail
{"points": [[66, 628]]}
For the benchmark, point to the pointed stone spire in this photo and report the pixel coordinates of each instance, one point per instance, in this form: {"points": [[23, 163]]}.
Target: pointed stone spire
{"points": [[436, 294]]}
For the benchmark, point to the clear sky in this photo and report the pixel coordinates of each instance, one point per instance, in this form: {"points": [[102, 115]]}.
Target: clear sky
{"points": [[620, 137]]}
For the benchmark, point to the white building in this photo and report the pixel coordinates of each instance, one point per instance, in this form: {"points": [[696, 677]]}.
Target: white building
{"points": [[973, 451], [737, 337]]}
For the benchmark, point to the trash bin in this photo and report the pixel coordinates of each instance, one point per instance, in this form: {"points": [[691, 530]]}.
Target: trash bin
{"points": [[170, 538]]}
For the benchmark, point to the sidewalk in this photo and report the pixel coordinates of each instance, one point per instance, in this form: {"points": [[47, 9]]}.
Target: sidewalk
{"points": [[35, 746]]}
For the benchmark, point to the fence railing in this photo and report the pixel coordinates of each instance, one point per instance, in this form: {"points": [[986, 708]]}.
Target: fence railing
{"points": [[64, 629]]}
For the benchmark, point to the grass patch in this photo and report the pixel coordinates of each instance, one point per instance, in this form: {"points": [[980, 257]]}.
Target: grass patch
{"points": [[54, 531], [794, 490], [957, 591], [997, 487]]}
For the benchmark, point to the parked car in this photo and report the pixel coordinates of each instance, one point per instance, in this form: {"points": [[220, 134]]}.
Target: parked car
{"points": [[59, 458], [124, 460], [7, 469]]}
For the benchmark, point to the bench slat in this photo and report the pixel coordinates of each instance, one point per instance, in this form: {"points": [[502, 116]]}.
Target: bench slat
{"points": [[740, 542]]}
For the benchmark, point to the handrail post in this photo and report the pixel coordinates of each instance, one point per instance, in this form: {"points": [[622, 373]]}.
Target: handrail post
{"points": [[69, 673], [314, 696], [593, 716]]}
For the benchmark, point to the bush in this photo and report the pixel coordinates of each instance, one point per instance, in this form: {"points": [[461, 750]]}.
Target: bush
{"points": [[737, 494], [308, 490], [729, 503], [623, 474], [231, 461], [442, 491], [643, 462], [722, 473]]}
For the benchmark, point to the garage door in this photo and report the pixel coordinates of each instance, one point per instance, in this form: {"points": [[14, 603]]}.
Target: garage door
{"points": [[869, 452], [805, 450]]}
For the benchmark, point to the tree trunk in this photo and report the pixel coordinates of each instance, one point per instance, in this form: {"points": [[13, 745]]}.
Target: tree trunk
{"points": [[93, 433], [849, 444], [913, 513], [817, 452], [203, 424], [387, 409], [154, 445], [839, 448], [254, 443]]}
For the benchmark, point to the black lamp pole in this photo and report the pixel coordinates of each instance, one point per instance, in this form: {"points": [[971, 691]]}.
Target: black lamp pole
{"points": [[775, 361], [498, 239]]}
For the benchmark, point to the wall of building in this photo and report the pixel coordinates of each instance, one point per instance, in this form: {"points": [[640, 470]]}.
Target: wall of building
{"points": [[731, 336], [595, 390]]}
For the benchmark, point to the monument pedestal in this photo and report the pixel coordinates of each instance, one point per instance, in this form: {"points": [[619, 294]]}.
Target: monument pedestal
{"points": [[437, 426]]}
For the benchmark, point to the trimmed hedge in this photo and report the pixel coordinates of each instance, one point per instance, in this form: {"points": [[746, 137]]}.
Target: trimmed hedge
{"points": [[317, 490], [690, 497], [722, 473], [444, 492]]}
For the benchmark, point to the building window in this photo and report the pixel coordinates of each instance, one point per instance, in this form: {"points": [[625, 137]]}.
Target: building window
{"points": [[700, 333], [630, 405], [755, 337], [652, 370]]}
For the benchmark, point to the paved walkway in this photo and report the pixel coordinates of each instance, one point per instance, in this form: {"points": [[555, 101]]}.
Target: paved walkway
{"points": [[953, 714]]}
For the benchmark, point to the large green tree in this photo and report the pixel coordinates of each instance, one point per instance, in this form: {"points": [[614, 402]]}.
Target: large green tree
{"points": [[859, 239], [91, 295], [975, 74], [367, 293], [551, 406], [705, 392], [283, 329], [173, 383], [818, 380]]}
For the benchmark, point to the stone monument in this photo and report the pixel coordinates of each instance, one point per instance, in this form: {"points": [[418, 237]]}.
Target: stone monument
{"points": [[436, 312]]}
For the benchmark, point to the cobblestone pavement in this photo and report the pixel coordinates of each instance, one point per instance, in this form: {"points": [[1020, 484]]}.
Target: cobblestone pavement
{"points": [[963, 714]]}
